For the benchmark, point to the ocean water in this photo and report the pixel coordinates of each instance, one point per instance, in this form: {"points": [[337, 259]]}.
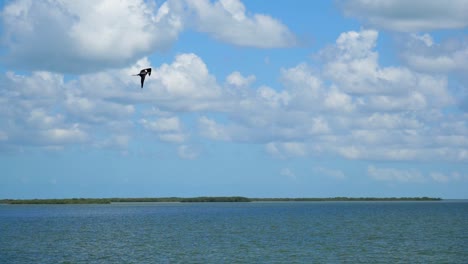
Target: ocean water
{"points": [[276, 232]]}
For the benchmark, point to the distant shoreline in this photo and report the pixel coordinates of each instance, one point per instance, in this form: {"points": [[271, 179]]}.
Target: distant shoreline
{"points": [[209, 199]]}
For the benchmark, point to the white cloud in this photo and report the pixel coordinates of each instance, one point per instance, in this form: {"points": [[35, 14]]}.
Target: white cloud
{"points": [[59, 136], [319, 126], [227, 21], [272, 97], [351, 152], [41, 88], [168, 129], [212, 130], [40, 119], [394, 175], [118, 141], [304, 87], [294, 148], [351, 107], [424, 38], [28, 115], [186, 77], [364, 111], [338, 101], [352, 65], [41, 108], [82, 36], [236, 80], [185, 84], [97, 110], [86, 36], [408, 16], [169, 124], [286, 149], [422, 53], [391, 121]]}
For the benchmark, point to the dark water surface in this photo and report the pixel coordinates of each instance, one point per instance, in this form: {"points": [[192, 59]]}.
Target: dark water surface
{"points": [[277, 232]]}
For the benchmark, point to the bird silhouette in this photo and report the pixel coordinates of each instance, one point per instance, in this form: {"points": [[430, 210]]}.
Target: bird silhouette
{"points": [[142, 75]]}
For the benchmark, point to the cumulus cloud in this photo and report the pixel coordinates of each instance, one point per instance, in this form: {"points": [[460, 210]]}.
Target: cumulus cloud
{"points": [[408, 16], [303, 86], [60, 136], [182, 85], [228, 21], [352, 64], [97, 110], [41, 108], [27, 111], [117, 141], [350, 106], [422, 53], [209, 128], [169, 124], [168, 129], [186, 77], [237, 80], [449, 56], [272, 97], [87, 36], [100, 109], [286, 149], [75, 37]]}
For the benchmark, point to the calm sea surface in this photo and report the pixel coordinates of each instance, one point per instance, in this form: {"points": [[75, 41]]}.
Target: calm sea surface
{"points": [[279, 232]]}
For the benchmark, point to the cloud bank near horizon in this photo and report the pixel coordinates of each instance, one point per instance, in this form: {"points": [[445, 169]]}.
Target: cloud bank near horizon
{"points": [[350, 107]]}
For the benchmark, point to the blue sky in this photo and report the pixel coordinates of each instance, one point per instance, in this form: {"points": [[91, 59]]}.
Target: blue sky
{"points": [[286, 99]]}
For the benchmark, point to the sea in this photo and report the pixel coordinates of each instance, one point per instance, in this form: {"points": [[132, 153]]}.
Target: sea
{"points": [[252, 232]]}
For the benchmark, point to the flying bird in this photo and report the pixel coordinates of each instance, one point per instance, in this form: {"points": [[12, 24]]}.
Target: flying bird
{"points": [[142, 75]]}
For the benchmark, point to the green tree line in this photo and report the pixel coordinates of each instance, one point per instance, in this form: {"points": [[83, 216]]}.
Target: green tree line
{"points": [[205, 199]]}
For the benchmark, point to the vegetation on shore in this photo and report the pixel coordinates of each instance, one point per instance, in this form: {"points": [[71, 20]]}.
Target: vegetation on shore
{"points": [[345, 199], [205, 199], [56, 201], [215, 199]]}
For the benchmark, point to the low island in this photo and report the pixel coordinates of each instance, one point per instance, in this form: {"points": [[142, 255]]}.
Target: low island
{"points": [[207, 199]]}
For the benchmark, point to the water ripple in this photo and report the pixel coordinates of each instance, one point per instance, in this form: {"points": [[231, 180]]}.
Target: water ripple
{"points": [[309, 232]]}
